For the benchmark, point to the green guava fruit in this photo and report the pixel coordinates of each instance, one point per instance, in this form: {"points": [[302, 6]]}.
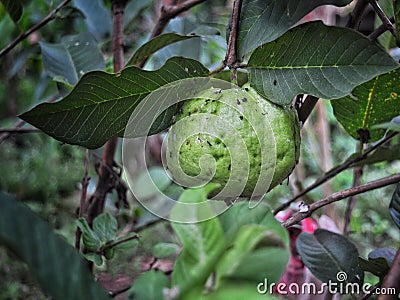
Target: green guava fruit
{"points": [[235, 138]]}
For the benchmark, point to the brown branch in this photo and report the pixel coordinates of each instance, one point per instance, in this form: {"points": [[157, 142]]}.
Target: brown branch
{"points": [[298, 216], [167, 14], [18, 130], [335, 171], [392, 279], [357, 173], [82, 207], [357, 13], [306, 107], [170, 12], [39, 25], [114, 244], [231, 54], [105, 183], [380, 30], [385, 20]]}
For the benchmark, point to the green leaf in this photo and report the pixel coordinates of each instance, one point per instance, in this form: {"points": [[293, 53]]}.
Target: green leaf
{"points": [[14, 9], [149, 286], [58, 268], [254, 236], [97, 17], [249, 256], [163, 250], [128, 245], [155, 44], [312, 58], [144, 189], [330, 257], [105, 226], [74, 56], [394, 207], [203, 242], [90, 238], [234, 291], [100, 105], [262, 21], [372, 103], [379, 262], [95, 258]]}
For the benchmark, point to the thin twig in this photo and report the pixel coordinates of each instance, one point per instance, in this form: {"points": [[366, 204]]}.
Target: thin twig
{"points": [[380, 30], [18, 130], [112, 245], [39, 25], [231, 54], [335, 171], [167, 14], [392, 279], [298, 216], [114, 294], [385, 20], [106, 181], [357, 173], [170, 12], [82, 206], [357, 13]]}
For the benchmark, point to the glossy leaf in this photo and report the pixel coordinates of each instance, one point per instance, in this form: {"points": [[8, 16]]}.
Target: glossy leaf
{"points": [[379, 261], [394, 207], [68, 61], [203, 242], [100, 105], [149, 286], [262, 21], [312, 58], [370, 104], [156, 44], [58, 268], [14, 9], [330, 256]]}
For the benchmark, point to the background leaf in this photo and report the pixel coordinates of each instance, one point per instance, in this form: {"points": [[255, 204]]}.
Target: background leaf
{"points": [[203, 242], [56, 265], [100, 105], [326, 254], [262, 21], [163, 250], [14, 9], [105, 226], [97, 17], [90, 238], [326, 62], [374, 102], [68, 61], [154, 45], [394, 207], [149, 286]]}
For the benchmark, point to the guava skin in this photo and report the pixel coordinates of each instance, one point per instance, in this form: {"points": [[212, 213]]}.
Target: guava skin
{"points": [[270, 134]]}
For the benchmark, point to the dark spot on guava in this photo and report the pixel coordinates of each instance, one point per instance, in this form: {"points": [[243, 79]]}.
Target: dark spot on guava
{"points": [[229, 167], [275, 82], [187, 142], [238, 101], [246, 89], [241, 117], [244, 100], [208, 142]]}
